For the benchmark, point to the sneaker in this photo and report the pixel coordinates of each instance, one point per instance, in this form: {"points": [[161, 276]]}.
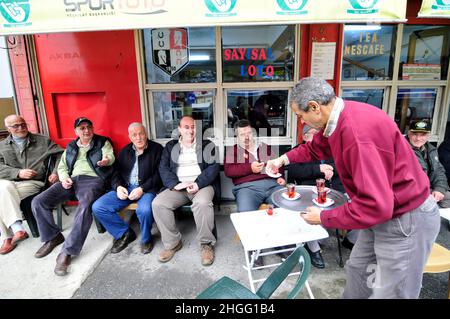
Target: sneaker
{"points": [[167, 254], [207, 254]]}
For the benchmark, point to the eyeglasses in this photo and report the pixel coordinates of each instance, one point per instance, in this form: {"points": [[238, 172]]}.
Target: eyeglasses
{"points": [[17, 126]]}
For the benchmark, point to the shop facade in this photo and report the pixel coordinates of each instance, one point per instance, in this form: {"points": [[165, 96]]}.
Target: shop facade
{"points": [[229, 69]]}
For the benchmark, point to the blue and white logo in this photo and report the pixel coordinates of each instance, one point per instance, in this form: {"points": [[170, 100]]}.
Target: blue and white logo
{"points": [[220, 8], [363, 6], [16, 12], [292, 7], [441, 5]]}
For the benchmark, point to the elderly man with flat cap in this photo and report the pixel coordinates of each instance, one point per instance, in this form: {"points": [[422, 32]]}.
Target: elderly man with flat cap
{"points": [[418, 135], [22, 173], [84, 170]]}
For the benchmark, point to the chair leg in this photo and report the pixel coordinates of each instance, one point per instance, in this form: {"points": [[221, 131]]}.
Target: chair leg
{"points": [[341, 262], [33, 227]]}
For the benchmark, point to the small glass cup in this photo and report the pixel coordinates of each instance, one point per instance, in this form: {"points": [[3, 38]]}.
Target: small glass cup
{"points": [[290, 190], [322, 196], [269, 209], [320, 184]]}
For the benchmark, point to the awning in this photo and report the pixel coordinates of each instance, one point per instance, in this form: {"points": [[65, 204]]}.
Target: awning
{"points": [[435, 9], [46, 16]]}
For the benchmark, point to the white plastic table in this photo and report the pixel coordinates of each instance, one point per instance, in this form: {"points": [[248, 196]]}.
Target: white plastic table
{"points": [[445, 213], [259, 231]]}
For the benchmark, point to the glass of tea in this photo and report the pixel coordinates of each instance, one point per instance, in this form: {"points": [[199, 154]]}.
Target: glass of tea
{"points": [[269, 209], [290, 190], [320, 184], [321, 196]]}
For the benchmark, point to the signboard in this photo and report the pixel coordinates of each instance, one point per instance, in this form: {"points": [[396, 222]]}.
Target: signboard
{"points": [[421, 72], [46, 16], [435, 9], [170, 49]]}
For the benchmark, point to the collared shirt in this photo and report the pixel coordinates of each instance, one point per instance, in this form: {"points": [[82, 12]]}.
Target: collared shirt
{"points": [[134, 175], [334, 117], [253, 150], [188, 169]]}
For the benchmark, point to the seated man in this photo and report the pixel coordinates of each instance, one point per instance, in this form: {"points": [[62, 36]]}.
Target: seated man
{"points": [[418, 134], [84, 170], [135, 178], [22, 173], [244, 164], [189, 171]]}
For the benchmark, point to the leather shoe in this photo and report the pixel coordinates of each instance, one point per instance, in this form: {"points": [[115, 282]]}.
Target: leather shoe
{"points": [[48, 246], [316, 258], [122, 243], [347, 243], [19, 236], [167, 254], [7, 246], [62, 263], [146, 248]]}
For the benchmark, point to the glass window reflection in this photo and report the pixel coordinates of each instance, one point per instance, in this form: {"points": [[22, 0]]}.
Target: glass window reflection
{"points": [[369, 96], [414, 104], [171, 106], [265, 109], [368, 52]]}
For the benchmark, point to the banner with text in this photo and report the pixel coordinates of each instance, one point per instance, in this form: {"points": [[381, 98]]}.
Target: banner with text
{"points": [[435, 9], [47, 16]]}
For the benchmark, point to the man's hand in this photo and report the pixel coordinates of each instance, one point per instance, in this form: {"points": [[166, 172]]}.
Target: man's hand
{"points": [[257, 167], [103, 162], [136, 193], [67, 183], [312, 215], [192, 188], [272, 166], [181, 186], [53, 178], [438, 196], [27, 173], [281, 181], [122, 192], [327, 170]]}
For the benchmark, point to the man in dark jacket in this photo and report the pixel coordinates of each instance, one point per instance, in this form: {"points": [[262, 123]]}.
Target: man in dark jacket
{"points": [[22, 173], [83, 171], [136, 178], [189, 171], [418, 135]]}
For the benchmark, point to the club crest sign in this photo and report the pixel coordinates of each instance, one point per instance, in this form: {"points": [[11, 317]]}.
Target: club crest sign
{"points": [[170, 49]]}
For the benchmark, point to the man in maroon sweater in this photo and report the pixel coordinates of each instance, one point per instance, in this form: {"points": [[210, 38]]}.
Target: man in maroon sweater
{"points": [[390, 198]]}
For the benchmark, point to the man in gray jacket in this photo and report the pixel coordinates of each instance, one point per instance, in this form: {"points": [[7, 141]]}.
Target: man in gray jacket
{"points": [[418, 136], [22, 173]]}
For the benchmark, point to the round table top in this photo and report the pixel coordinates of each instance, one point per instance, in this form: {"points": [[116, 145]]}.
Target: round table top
{"points": [[305, 200]]}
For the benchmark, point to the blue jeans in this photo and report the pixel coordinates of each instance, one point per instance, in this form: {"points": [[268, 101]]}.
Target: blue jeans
{"points": [[250, 195], [106, 210]]}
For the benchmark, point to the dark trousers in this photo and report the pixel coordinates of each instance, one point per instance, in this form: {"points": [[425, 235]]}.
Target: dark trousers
{"points": [[86, 189]]}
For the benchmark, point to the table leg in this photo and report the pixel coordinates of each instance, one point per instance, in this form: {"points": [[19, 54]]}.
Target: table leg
{"points": [[249, 264], [309, 290]]}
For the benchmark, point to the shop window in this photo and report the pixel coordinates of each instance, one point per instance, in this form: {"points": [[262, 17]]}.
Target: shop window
{"points": [[171, 106], [180, 55], [368, 52], [258, 53], [265, 109], [369, 96], [425, 53], [414, 104]]}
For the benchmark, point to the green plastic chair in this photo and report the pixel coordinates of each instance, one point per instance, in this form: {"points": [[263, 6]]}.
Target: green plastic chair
{"points": [[227, 288]]}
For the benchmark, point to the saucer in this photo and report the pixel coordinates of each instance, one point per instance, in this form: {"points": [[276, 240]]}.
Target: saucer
{"points": [[329, 202], [326, 189], [273, 175], [285, 196]]}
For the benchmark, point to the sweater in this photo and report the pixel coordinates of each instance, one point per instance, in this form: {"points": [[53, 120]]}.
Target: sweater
{"points": [[376, 165]]}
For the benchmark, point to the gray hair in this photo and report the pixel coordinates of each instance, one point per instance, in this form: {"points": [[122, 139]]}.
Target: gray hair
{"points": [[311, 89], [135, 124]]}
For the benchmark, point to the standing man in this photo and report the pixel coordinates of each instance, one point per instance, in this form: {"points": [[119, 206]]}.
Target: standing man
{"points": [[189, 171], [22, 173], [418, 135], [135, 179], [84, 169], [389, 192]]}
